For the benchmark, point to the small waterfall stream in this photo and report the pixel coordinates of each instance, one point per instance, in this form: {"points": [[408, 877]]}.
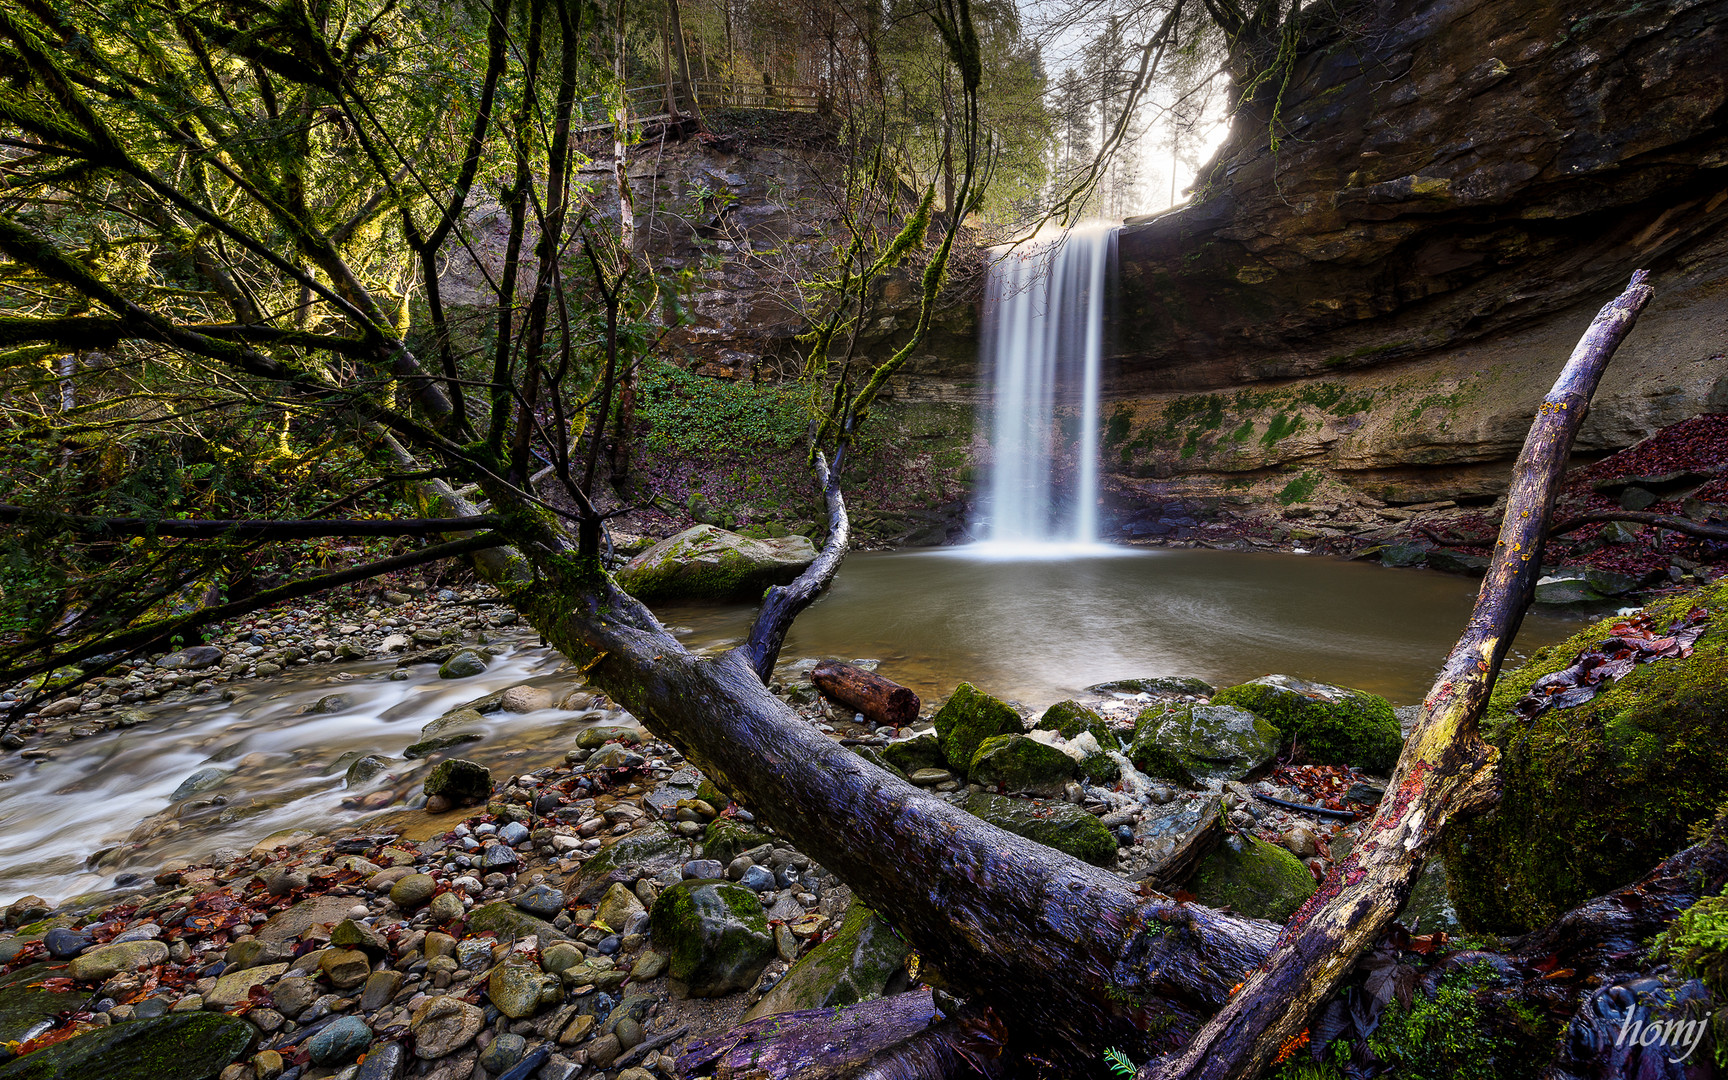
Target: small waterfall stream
{"points": [[1043, 345]]}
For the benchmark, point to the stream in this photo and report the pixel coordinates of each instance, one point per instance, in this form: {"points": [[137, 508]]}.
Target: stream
{"points": [[1032, 630]]}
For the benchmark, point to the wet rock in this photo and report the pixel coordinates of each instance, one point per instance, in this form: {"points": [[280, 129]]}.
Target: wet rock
{"points": [[345, 968], [1254, 878], [515, 989], [714, 934], [445, 1025], [709, 563], [1336, 725], [459, 781], [617, 907], [64, 944], [1017, 763], [1216, 742], [505, 1051], [525, 699], [27, 910], [930, 777], [447, 908], [1060, 825], [464, 665], [860, 962], [190, 659], [969, 717], [510, 924], [413, 891], [911, 755], [329, 704], [541, 901], [595, 737], [294, 995], [380, 988], [104, 963], [27, 1011], [341, 1042], [202, 780], [235, 987], [313, 911], [1069, 718], [648, 851], [499, 858], [425, 748], [1457, 562], [384, 1062], [1160, 686], [1405, 554], [183, 1046], [349, 934]]}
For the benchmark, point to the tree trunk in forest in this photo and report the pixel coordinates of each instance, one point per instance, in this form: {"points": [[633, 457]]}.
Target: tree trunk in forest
{"points": [[882, 701], [675, 30]]}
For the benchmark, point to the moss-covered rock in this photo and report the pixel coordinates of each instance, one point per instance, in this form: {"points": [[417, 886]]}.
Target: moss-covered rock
{"points": [[714, 934], [460, 781], [1253, 878], [181, 1046], [27, 1011], [1334, 724], [967, 718], [1594, 796], [910, 755], [727, 838], [709, 563], [1160, 762], [648, 850], [1216, 742], [856, 964], [1021, 764], [1173, 686], [509, 923], [1070, 718], [1059, 825]]}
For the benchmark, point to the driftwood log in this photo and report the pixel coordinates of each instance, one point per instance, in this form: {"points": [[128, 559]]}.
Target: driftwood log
{"points": [[1446, 768], [882, 701]]}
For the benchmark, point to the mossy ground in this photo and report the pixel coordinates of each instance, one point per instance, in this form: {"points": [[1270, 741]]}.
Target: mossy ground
{"points": [[1596, 795]]}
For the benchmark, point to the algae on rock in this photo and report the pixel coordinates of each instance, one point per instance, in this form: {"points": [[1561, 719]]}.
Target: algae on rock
{"points": [[714, 933], [858, 963], [1016, 763], [1334, 724], [709, 563], [1217, 742], [1060, 825], [1253, 878], [1594, 796], [967, 718]]}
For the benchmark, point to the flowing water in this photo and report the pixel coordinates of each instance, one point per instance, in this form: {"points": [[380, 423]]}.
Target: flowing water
{"points": [[1042, 348], [1035, 630]]}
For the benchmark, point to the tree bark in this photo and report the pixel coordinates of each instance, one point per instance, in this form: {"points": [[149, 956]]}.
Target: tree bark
{"points": [[882, 701], [1702, 530], [1445, 768]]}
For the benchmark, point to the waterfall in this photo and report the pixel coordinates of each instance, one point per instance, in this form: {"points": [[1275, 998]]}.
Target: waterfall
{"points": [[1043, 345]]}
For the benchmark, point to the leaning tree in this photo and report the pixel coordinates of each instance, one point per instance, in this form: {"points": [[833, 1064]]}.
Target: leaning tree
{"points": [[222, 211]]}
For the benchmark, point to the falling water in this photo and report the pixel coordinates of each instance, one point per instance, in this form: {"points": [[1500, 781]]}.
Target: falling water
{"points": [[1043, 348]]}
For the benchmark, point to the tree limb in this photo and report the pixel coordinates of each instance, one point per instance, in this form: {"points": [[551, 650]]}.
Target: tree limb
{"points": [[1445, 768], [242, 529], [784, 602], [1702, 530]]}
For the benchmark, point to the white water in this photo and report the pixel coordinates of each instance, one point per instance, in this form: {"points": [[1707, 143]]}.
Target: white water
{"points": [[1043, 345]]}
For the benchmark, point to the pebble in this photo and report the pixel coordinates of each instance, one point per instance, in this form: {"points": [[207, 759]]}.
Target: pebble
{"points": [[341, 1042]]}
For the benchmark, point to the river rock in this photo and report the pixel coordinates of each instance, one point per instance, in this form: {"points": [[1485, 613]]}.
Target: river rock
{"points": [[349, 934], [386, 1061], [202, 780], [26, 1010], [967, 718], [505, 1051], [857, 964], [1254, 878], [1166, 686], [595, 737], [648, 851], [1336, 725], [525, 699], [413, 891], [314, 911], [542, 901], [464, 665], [340, 1043], [1060, 825], [1018, 763], [104, 963], [460, 781], [365, 769], [345, 968], [515, 989], [190, 659], [181, 1046], [510, 924], [715, 935], [912, 755], [63, 943], [1215, 742], [465, 717], [293, 995], [1069, 718], [446, 908], [617, 907], [709, 563], [445, 1025], [235, 987]]}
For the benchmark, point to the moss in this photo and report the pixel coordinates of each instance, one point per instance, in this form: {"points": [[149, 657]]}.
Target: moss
{"points": [[1160, 763], [1059, 825], [1449, 1035], [910, 755], [1019, 763], [1301, 489], [967, 718], [183, 1046], [857, 963], [1253, 878], [726, 839], [1335, 725], [1069, 718], [1208, 741], [1281, 428], [714, 934], [1696, 943], [1594, 796]]}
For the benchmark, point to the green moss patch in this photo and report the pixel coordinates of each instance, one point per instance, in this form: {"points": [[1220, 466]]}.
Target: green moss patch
{"points": [[967, 718], [1059, 825], [1253, 878], [1333, 724], [184, 1046], [1018, 763]]}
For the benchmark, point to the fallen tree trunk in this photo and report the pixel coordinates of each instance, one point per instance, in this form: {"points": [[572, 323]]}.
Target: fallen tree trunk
{"points": [[881, 701], [1445, 768], [1700, 529]]}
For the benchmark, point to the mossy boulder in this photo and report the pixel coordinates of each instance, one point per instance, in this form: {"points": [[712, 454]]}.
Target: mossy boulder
{"points": [[1069, 718], [1059, 825], [727, 838], [181, 1046], [1595, 795], [1215, 742], [967, 718], [647, 851], [460, 781], [857, 964], [1334, 724], [508, 922], [1253, 878], [709, 563], [910, 755], [27, 1011], [1019, 763], [714, 934]]}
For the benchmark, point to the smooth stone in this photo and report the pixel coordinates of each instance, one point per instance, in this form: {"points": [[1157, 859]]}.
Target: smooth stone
{"points": [[445, 1025], [413, 891], [505, 1051], [108, 961], [387, 1061], [446, 908], [341, 1042], [515, 989], [64, 944], [617, 907], [235, 987], [464, 665], [381, 987], [542, 901]]}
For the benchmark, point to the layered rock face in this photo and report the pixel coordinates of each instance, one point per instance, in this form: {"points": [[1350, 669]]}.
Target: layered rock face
{"points": [[1383, 297]]}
